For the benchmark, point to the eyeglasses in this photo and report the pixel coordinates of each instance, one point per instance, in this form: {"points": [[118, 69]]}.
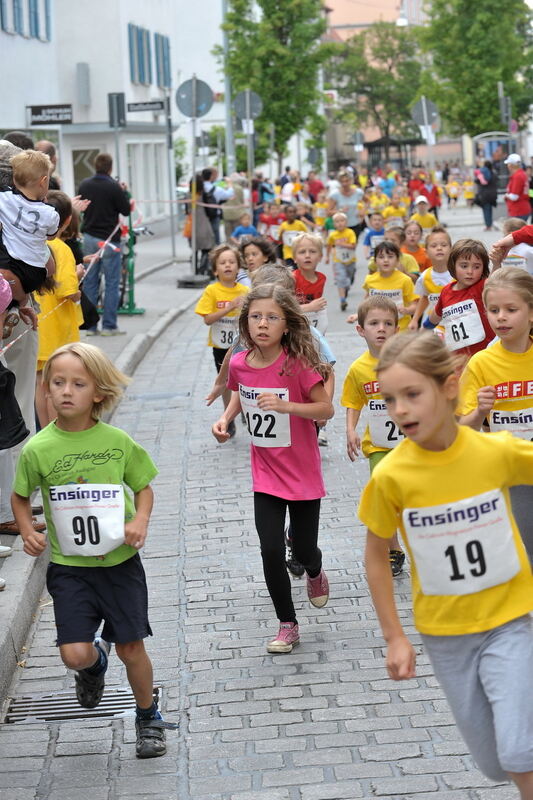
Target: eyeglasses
{"points": [[270, 318]]}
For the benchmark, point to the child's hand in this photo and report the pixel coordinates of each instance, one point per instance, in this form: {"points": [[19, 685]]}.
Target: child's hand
{"points": [[413, 325], [236, 302], [28, 315], [403, 312], [486, 398], [401, 659], [34, 543], [351, 319], [353, 445], [216, 391], [318, 304], [220, 431], [271, 402], [135, 532]]}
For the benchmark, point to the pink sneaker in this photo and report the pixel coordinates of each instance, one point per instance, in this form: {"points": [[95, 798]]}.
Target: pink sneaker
{"points": [[318, 589], [287, 637]]}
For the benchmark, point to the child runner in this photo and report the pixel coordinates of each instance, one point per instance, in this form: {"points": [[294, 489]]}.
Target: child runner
{"points": [[429, 285], [407, 264], [219, 305], [307, 252], [446, 487], [95, 531], [460, 304], [425, 219], [412, 246], [279, 384], [377, 321], [256, 252], [394, 214], [244, 228], [320, 210], [342, 241], [498, 382], [391, 282], [288, 231], [520, 255], [374, 235], [270, 223]]}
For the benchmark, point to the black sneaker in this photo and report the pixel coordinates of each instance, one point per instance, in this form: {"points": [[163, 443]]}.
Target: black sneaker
{"points": [[294, 566], [151, 738], [232, 430], [396, 558], [90, 688]]}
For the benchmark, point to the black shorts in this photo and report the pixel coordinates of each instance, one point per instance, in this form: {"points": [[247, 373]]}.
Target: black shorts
{"points": [[84, 596], [219, 354], [31, 278]]}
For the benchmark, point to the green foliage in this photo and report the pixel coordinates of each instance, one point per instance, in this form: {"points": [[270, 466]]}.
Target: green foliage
{"points": [[472, 46], [275, 50]]}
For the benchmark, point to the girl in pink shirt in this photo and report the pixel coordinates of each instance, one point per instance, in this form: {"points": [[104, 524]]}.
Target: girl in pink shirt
{"points": [[278, 384]]}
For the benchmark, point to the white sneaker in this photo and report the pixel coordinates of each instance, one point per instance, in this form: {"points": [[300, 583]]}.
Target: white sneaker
{"points": [[5, 551], [322, 438], [2, 584], [112, 332]]}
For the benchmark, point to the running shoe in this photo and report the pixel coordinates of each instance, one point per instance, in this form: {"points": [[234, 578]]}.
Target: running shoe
{"points": [[322, 438], [90, 688], [396, 558], [344, 305], [318, 589], [151, 738], [288, 636], [292, 564]]}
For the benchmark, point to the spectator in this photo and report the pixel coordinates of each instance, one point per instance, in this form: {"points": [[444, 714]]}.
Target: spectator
{"points": [[517, 192], [108, 198], [205, 237], [346, 200], [487, 192], [44, 146], [233, 208], [213, 194], [20, 140]]}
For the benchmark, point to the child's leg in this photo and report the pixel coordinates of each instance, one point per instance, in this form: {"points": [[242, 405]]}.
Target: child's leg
{"points": [[269, 522], [305, 518], [78, 655], [16, 287], [139, 670], [219, 354]]}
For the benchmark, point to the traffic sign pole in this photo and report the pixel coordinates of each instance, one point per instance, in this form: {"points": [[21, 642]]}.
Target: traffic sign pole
{"points": [[428, 140], [249, 152], [171, 176], [193, 189]]}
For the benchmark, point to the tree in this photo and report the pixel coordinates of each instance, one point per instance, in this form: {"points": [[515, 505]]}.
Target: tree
{"points": [[377, 74], [277, 53], [472, 46]]}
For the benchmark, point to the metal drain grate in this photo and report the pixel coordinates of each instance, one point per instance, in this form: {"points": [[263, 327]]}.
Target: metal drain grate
{"points": [[51, 706]]}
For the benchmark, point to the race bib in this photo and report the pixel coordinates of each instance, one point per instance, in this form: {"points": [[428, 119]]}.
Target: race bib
{"points": [[224, 332], [344, 254], [274, 232], [519, 422], [289, 237], [375, 240], [383, 431], [318, 319], [462, 547], [392, 222], [88, 517], [432, 298], [514, 261], [396, 295], [266, 428], [462, 325]]}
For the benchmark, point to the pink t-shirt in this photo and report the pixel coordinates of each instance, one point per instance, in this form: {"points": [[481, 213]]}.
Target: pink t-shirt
{"points": [[292, 472]]}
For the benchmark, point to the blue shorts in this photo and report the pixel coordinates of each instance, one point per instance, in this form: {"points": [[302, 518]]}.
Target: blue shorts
{"points": [[84, 596]]}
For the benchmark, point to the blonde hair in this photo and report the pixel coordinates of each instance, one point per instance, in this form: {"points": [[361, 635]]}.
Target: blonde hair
{"points": [[274, 273], [29, 167], [513, 278], [108, 379], [314, 238], [512, 224], [376, 301], [339, 215], [298, 343], [422, 352], [437, 229]]}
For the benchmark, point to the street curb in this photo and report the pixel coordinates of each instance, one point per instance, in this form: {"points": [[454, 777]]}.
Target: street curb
{"points": [[26, 575]]}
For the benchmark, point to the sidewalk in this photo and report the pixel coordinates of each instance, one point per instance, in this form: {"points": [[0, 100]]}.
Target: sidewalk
{"points": [[157, 292]]}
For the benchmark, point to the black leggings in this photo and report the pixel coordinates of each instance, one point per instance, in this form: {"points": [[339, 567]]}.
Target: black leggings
{"points": [[270, 523]]}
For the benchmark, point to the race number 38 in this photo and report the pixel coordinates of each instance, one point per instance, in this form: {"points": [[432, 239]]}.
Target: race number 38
{"points": [[462, 547], [88, 518], [266, 428], [224, 332]]}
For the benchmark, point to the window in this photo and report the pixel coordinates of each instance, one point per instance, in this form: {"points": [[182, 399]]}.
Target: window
{"points": [[162, 60], [18, 17], [140, 55], [33, 13], [3, 15], [48, 20]]}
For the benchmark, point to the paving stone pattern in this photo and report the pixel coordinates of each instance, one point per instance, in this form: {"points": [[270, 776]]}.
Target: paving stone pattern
{"points": [[322, 723]]}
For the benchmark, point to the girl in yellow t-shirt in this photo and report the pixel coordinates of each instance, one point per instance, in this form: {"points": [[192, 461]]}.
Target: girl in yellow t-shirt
{"points": [[391, 282], [446, 487]]}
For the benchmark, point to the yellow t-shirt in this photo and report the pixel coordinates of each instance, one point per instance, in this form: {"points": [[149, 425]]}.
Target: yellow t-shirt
{"points": [[426, 221], [468, 190], [342, 255], [288, 231], [512, 376], [320, 212], [215, 296], [407, 261], [63, 326], [398, 287], [394, 215], [361, 388], [469, 568], [379, 201]]}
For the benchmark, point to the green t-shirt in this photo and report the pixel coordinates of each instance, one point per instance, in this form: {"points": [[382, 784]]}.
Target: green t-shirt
{"points": [[101, 455]]}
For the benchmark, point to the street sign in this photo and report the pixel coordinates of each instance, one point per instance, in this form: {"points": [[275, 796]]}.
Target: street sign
{"points": [[250, 110], [194, 98], [313, 155], [424, 112], [50, 115], [117, 109], [149, 105]]}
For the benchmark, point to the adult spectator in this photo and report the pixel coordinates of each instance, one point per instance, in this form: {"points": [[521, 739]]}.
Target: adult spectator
{"points": [[234, 207], [487, 191], [346, 199], [108, 199], [286, 177], [214, 195], [517, 192], [20, 140], [431, 191], [205, 236], [314, 185], [44, 146]]}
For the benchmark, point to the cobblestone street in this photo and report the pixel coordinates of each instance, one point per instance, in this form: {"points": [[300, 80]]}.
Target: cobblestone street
{"points": [[321, 723]]}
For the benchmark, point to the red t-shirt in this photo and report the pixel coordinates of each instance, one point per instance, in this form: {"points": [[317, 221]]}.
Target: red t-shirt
{"points": [[273, 221], [315, 187], [306, 291], [518, 184], [450, 307]]}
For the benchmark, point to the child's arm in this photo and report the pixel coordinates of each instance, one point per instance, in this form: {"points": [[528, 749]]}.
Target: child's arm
{"points": [[408, 310], [219, 385], [329, 386], [136, 529], [499, 249], [366, 251], [315, 305], [230, 305], [486, 397], [220, 427], [400, 658], [422, 304], [328, 253], [433, 320], [353, 441], [34, 542], [319, 407]]}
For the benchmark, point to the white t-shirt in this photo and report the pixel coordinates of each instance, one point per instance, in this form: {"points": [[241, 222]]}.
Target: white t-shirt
{"points": [[26, 224], [521, 255]]}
